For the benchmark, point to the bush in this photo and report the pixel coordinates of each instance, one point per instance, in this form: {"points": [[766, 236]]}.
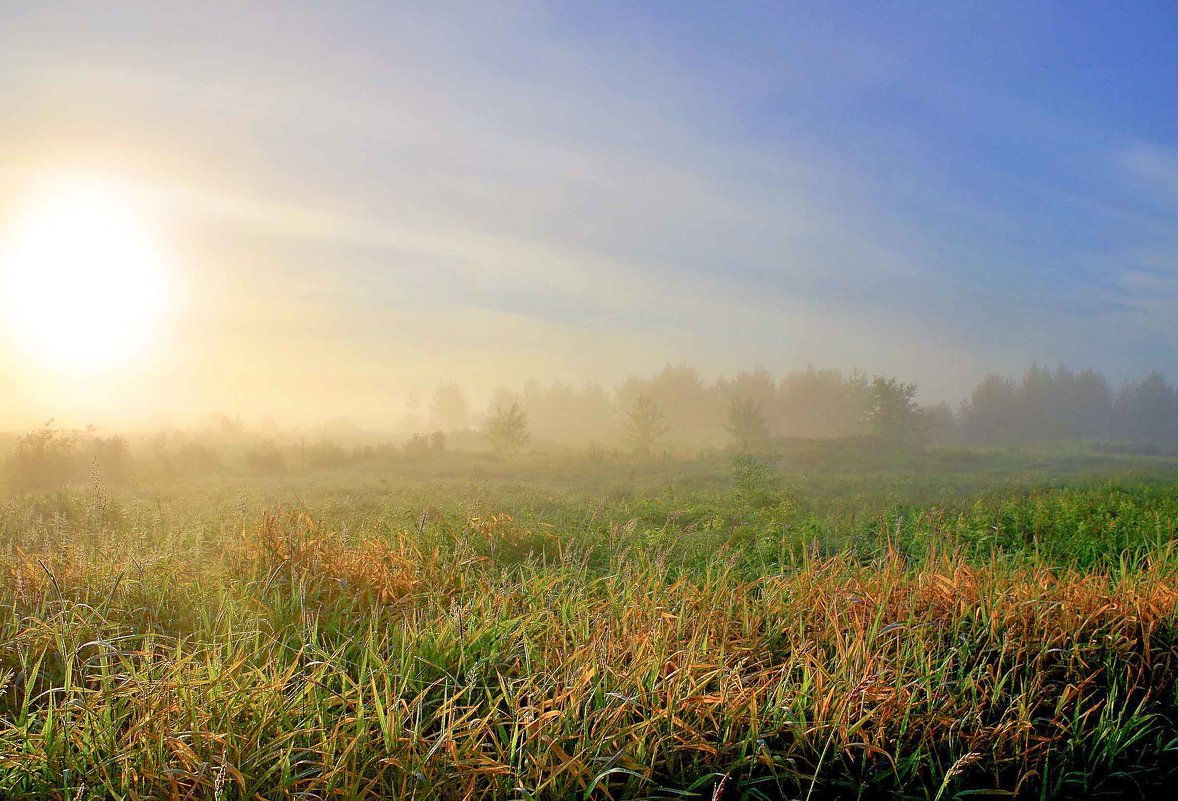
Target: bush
{"points": [[112, 458], [755, 482], [194, 459], [45, 459], [424, 445], [265, 457]]}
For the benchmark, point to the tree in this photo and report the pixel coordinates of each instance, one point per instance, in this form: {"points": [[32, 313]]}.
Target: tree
{"points": [[942, 425], [44, 458], [746, 424], [893, 413], [412, 420], [1149, 411], [508, 429], [449, 409], [564, 414], [265, 457], [819, 403], [645, 425], [112, 457]]}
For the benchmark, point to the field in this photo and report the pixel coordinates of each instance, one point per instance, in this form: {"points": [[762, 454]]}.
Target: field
{"points": [[817, 625]]}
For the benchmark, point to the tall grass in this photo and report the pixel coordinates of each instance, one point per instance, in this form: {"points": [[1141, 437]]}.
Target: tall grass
{"points": [[658, 647]]}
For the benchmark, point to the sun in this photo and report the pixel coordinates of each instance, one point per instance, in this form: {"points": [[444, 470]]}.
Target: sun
{"points": [[83, 283]]}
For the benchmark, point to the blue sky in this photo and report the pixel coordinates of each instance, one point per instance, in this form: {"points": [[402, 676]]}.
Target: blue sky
{"points": [[568, 190]]}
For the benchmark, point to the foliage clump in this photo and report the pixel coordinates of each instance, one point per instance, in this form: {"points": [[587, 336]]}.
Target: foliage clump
{"points": [[508, 429], [746, 425], [645, 426], [893, 413], [45, 459], [755, 482], [265, 457]]}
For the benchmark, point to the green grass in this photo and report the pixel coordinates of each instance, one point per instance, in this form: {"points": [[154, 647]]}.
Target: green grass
{"points": [[951, 626]]}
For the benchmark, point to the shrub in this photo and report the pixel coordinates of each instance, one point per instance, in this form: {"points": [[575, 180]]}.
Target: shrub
{"points": [[265, 457], [45, 459]]}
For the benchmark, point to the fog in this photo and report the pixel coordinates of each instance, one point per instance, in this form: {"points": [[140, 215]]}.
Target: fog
{"points": [[674, 414], [348, 208]]}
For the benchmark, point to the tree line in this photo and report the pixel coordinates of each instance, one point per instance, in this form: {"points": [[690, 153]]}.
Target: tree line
{"points": [[1061, 404], [678, 409], [674, 412]]}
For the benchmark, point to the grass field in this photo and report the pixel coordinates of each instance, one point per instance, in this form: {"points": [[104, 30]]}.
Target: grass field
{"points": [[957, 624]]}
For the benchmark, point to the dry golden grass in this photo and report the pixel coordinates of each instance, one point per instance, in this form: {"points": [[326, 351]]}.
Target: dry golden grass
{"points": [[291, 659]]}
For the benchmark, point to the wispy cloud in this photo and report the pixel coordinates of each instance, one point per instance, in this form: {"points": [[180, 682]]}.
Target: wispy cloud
{"points": [[1155, 167], [422, 185]]}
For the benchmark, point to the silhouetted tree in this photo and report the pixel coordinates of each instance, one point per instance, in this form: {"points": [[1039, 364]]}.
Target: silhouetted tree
{"points": [[565, 414], [1044, 405], [893, 413], [942, 426], [44, 458], [112, 458], [449, 409], [508, 429], [645, 425], [1147, 411], [412, 419], [746, 424], [819, 403], [757, 385], [265, 457], [1087, 406], [502, 398], [989, 415], [687, 402]]}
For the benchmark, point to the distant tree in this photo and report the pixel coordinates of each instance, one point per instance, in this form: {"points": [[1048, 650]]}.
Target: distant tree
{"points": [[990, 416], [449, 408], [746, 424], [893, 413], [422, 445], [417, 445], [1035, 397], [1088, 407], [1148, 411], [326, 455], [265, 457], [191, 458], [757, 385], [411, 418], [565, 414], [819, 403], [645, 425], [508, 429], [44, 458], [228, 428], [502, 398], [942, 425], [687, 403], [1044, 405], [112, 458]]}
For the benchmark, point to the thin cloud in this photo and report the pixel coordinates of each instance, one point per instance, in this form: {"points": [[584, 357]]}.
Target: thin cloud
{"points": [[1154, 166]]}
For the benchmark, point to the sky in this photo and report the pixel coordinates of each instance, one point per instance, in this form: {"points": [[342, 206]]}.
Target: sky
{"points": [[354, 200]]}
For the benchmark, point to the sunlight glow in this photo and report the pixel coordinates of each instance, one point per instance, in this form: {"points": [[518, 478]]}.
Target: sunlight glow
{"points": [[83, 285]]}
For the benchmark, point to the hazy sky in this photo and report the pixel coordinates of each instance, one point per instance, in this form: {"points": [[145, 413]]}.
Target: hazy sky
{"points": [[354, 199]]}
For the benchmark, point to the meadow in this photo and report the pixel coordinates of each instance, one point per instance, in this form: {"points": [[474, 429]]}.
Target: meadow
{"points": [[816, 624]]}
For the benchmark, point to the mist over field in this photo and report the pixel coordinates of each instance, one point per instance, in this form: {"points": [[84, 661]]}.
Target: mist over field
{"points": [[548, 400], [346, 206]]}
